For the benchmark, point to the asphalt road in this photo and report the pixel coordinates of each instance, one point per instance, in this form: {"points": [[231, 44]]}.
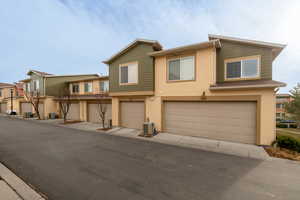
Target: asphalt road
{"points": [[67, 164]]}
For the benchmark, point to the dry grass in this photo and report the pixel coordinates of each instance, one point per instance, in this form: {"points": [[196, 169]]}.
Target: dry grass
{"points": [[282, 153]]}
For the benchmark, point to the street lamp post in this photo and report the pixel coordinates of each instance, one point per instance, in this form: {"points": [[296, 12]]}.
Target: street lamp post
{"points": [[11, 101]]}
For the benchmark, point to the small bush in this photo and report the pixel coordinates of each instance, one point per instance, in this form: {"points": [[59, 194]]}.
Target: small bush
{"points": [[281, 125], [288, 143]]}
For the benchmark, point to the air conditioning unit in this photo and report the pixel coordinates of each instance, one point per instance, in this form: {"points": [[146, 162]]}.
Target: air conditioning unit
{"points": [[148, 128]]}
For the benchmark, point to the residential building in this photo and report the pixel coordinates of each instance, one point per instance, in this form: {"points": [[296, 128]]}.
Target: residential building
{"points": [[48, 87], [281, 100], [86, 96], [7, 91], [219, 89]]}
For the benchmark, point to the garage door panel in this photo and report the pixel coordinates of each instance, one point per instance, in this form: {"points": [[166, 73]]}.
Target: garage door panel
{"points": [[232, 121], [74, 112], [132, 114], [26, 107], [3, 107], [93, 113]]}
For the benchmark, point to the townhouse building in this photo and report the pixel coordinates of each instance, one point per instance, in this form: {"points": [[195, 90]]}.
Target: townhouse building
{"points": [[219, 89]]}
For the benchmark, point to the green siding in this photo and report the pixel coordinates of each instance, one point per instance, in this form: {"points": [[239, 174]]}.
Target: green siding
{"points": [[55, 84], [235, 50], [145, 68]]}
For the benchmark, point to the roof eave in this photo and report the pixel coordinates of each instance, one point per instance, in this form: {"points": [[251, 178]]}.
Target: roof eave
{"points": [[247, 87], [202, 45]]}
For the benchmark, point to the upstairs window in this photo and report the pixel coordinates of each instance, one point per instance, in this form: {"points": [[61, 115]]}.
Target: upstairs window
{"points": [[104, 86], [128, 73], [181, 69], [243, 68], [75, 88], [27, 87], [88, 87], [0, 92], [36, 85]]}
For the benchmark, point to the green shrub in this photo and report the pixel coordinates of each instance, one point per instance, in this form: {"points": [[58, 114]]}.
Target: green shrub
{"points": [[288, 143], [280, 125]]}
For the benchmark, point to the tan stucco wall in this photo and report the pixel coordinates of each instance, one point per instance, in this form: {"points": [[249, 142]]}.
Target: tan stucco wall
{"points": [[49, 106], [115, 111]]}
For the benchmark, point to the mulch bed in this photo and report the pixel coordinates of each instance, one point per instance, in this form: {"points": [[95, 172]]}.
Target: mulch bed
{"points": [[70, 122], [282, 153]]}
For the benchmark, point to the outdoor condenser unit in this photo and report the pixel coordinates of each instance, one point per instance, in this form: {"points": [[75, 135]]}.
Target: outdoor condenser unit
{"points": [[148, 128]]}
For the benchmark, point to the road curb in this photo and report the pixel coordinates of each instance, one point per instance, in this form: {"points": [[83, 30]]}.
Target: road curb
{"points": [[18, 185]]}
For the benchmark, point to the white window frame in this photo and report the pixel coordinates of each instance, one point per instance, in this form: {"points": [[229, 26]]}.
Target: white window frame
{"points": [[104, 82], [180, 58], [241, 59], [73, 84], [90, 86], [136, 73], [37, 84]]}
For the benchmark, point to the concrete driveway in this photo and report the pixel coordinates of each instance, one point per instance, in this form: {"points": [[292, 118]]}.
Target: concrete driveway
{"points": [[67, 164]]}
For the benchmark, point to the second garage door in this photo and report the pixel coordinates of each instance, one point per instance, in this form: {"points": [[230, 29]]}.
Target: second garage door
{"points": [[229, 121], [93, 113], [74, 112], [132, 114], [3, 107], [26, 107]]}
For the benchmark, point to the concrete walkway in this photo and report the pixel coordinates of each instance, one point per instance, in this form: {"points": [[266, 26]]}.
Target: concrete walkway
{"points": [[13, 188]]}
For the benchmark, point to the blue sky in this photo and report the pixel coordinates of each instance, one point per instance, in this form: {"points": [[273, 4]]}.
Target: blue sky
{"points": [[75, 36]]}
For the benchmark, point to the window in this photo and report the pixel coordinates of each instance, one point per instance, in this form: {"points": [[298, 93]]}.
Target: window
{"points": [[278, 115], [243, 68], [0, 92], [27, 87], [88, 87], [278, 105], [75, 88], [36, 85], [129, 73], [104, 86], [181, 69]]}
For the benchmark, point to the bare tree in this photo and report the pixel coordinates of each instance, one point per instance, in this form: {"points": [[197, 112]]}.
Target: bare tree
{"points": [[64, 102], [34, 98], [102, 105]]}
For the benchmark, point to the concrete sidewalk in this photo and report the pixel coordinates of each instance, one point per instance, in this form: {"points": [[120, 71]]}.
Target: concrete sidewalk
{"points": [[242, 150], [231, 148], [13, 188]]}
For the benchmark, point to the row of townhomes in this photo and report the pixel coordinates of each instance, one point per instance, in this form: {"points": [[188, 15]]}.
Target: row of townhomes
{"points": [[218, 89]]}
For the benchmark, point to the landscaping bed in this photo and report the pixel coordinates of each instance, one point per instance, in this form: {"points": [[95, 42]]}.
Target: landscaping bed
{"points": [[283, 153]]}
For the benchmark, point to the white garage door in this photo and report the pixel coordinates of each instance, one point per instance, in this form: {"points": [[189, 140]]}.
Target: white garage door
{"points": [[230, 121], [132, 114], [93, 113], [74, 112], [26, 107]]}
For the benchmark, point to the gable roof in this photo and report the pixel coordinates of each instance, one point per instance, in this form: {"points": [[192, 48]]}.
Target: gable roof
{"points": [[6, 85], [211, 43], [276, 47], [38, 73], [156, 46]]}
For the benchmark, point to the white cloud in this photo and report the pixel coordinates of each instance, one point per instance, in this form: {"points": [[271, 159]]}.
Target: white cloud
{"points": [[76, 36]]}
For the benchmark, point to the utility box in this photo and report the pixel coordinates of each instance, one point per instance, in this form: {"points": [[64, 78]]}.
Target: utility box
{"points": [[148, 128]]}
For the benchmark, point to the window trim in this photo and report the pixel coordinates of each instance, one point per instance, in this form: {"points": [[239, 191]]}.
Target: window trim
{"points": [[257, 57], [126, 65], [176, 58], [73, 84], [103, 81], [91, 82]]}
